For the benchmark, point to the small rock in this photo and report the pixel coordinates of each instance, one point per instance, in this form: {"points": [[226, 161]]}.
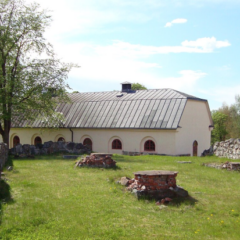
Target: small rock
{"points": [[162, 207], [9, 168], [124, 181]]}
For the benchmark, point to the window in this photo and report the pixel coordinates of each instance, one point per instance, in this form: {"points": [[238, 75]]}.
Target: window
{"points": [[149, 145], [16, 141], [88, 141], [37, 141], [116, 144], [61, 139]]}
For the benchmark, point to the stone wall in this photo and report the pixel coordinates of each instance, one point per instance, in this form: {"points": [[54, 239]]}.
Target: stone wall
{"points": [[3, 155], [229, 148], [50, 147]]}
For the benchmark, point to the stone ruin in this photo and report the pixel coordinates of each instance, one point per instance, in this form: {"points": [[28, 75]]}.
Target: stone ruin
{"points": [[98, 160], [50, 147], [3, 155], [231, 166], [229, 149], [154, 184]]}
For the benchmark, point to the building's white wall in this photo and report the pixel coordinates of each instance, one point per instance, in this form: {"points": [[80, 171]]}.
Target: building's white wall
{"points": [[27, 135], [194, 125], [132, 140]]}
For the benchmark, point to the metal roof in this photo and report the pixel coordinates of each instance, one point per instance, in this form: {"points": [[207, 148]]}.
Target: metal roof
{"points": [[141, 109]]}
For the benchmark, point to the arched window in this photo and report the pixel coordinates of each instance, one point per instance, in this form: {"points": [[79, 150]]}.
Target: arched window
{"points": [[16, 141], [195, 148], [116, 144], [149, 145], [88, 141], [61, 139], [37, 141]]}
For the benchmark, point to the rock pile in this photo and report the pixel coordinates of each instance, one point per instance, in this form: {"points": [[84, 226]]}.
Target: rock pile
{"points": [[154, 184], [3, 155], [232, 166], [49, 147], [99, 160], [229, 148]]}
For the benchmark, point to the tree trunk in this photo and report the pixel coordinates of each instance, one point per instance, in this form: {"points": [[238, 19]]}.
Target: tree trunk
{"points": [[5, 132], [6, 137]]}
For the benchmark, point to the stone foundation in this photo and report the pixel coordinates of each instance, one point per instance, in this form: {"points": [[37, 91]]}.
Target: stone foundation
{"points": [[155, 184], [50, 147]]}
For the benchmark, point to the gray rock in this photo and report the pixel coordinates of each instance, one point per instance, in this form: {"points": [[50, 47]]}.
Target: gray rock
{"points": [[124, 181]]}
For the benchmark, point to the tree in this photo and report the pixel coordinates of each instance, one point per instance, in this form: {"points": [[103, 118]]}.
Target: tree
{"points": [[30, 74], [138, 86], [219, 132]]}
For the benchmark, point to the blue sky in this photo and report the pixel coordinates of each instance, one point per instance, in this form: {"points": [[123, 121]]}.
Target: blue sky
{"points": [[188, 45]]}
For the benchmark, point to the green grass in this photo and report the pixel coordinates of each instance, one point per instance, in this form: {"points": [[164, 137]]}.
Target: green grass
{"points": [[54, 200]]}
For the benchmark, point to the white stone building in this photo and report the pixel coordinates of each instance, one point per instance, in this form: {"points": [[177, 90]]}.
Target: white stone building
{"points": [[163, 121]]}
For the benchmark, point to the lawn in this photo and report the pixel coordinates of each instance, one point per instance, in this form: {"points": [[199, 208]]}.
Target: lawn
{"points": [[53, 200]]}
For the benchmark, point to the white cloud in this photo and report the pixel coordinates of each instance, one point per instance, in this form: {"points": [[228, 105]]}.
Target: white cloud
{"points": [[122, 62], [206, 44], [185, 82], [221, 94], [120, 48], [176, 21]]}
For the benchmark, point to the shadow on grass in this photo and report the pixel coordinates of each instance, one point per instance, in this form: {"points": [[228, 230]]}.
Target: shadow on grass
{"points": [[186, 200], [116, 168], [129, 159], [5, 196]]}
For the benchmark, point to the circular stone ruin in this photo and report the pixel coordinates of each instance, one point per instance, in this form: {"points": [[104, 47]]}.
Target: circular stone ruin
{"points": [[155, 184]]}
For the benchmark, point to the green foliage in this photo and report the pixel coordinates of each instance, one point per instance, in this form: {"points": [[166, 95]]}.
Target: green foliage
{"points": [[219, 132], [138, 86], [54, 200], [30, 74], [232, 123]]}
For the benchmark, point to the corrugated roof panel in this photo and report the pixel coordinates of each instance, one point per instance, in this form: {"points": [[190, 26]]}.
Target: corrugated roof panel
{"points": [[106, 115], [75, 114], [128, 113], [96, 112], [168, 113], [152, 114], [157, 115], [78, 116], [90, 114], [87, 113], [131, 116], [70, 114], [173, 114], [147, 114], [99, 120], [163, 113], [151, 95], [142, 114], [112, 113], [137, 113], [118, 114], [179, 113], [123, 113], [82, 114]]}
